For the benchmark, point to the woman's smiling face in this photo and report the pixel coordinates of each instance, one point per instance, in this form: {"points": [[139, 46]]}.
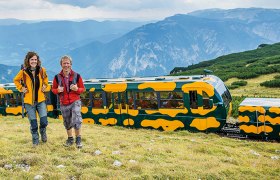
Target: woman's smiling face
{"points": [[33, 61]]}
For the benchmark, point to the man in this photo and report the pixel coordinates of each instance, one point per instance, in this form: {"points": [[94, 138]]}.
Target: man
{"points": [[69, 85]]}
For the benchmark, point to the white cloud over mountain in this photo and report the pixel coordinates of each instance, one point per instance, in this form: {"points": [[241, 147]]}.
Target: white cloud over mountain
{"points": [[121, 9]]}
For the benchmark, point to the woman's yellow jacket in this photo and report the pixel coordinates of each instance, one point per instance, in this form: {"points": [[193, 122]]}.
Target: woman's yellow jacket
{"points": [[28, 98]]}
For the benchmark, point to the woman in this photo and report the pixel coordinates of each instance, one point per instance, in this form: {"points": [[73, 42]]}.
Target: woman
{"points": [[32, 80]]}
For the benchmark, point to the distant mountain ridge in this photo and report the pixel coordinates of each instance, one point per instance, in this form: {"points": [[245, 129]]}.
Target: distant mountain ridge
{"points": [[179, 40], [51, 39]]}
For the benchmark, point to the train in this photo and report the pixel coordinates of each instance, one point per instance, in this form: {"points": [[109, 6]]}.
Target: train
{"points": [[198, 103]]}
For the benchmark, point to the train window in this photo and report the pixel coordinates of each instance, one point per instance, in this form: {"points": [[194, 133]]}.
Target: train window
{"points": [[85, 99], [109, 99], [171, 99], [130, 98], [146, 100], [206, 101], [2, 101], [224, 92], [226, 98], [12, 100], [193, 99], [97, 100]]}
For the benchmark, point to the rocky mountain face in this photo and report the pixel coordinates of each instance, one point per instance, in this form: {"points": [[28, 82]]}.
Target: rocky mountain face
{"points": [[180, 40]]}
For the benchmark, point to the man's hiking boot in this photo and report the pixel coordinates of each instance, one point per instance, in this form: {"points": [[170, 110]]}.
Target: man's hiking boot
{"points": [[43, 135], [69, 142], [79, 142]]}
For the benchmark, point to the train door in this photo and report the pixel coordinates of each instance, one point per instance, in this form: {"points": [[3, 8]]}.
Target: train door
{"points": [[120, 108], [100, 105], [260, 120]]}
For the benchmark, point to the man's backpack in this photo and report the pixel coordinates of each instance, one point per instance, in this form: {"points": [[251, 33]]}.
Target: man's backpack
{"points": [[59, 79]]}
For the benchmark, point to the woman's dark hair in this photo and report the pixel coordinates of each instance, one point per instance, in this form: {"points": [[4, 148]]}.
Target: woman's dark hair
{"points": [[28, 56]]}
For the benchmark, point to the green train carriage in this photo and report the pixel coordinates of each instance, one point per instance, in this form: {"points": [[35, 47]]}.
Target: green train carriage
{"points": [[260, 117], [198, 103]]}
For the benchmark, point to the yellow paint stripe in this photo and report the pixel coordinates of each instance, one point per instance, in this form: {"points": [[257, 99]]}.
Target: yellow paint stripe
{"points": [[88, 121], [255, 130], [169, 112], [4, 91], [115, 87], [243, 119], [50, 108], [128, 122], [100, 111], [203, 124], [202, 111], [158, 86], [84, 110], [133, 112], [92, 89], [109, 121], [274, 110], [166, 125], [199, 87], [14, 110], [251, 109], [269, 119]]}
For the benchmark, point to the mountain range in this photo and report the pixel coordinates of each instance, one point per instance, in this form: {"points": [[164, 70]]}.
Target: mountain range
{"points": [[141, 49]]}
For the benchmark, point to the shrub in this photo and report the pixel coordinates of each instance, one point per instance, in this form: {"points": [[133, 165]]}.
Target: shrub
{"points": [[233, 86], [236, 100], [247, 75], [239, 83], [277, 77], [275, 83]]}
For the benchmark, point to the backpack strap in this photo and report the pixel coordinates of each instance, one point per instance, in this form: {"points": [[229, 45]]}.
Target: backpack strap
{"points": [[23, 81], [75, 78], [59, 79]]}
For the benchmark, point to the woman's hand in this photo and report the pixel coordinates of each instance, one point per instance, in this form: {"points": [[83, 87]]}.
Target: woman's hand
{"points": [[44, 88], [24, 89]]}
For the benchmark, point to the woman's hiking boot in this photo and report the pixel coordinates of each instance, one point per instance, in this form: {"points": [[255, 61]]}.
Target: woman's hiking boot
{"points": [[35, 139], [43, 133]]}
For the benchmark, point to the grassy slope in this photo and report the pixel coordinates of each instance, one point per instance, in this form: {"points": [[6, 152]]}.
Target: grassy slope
{"points": [[253, 88], [262, 62], [157, 155]]}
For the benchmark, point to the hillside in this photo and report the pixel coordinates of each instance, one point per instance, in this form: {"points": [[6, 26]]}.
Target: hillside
{"points": [[244, 66]]}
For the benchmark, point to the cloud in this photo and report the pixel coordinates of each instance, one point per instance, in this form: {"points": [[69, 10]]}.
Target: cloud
{"points": [[80, 3], [117, 9]]}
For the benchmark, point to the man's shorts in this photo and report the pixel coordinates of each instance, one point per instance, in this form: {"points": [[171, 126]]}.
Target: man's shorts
{"points": [[71, 114]]}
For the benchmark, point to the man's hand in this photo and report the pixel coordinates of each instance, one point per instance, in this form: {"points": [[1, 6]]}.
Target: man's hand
{"points": [[74, 87], [60, 89]]}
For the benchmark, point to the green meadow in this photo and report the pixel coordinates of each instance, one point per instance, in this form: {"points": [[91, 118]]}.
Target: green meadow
{"points": [[120, 153]]}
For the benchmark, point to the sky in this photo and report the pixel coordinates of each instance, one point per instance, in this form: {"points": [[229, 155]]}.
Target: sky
{"points": [[135, 10]]}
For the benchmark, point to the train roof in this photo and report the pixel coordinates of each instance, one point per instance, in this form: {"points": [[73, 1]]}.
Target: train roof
{"points": [[265, 102], [211, 79]]}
